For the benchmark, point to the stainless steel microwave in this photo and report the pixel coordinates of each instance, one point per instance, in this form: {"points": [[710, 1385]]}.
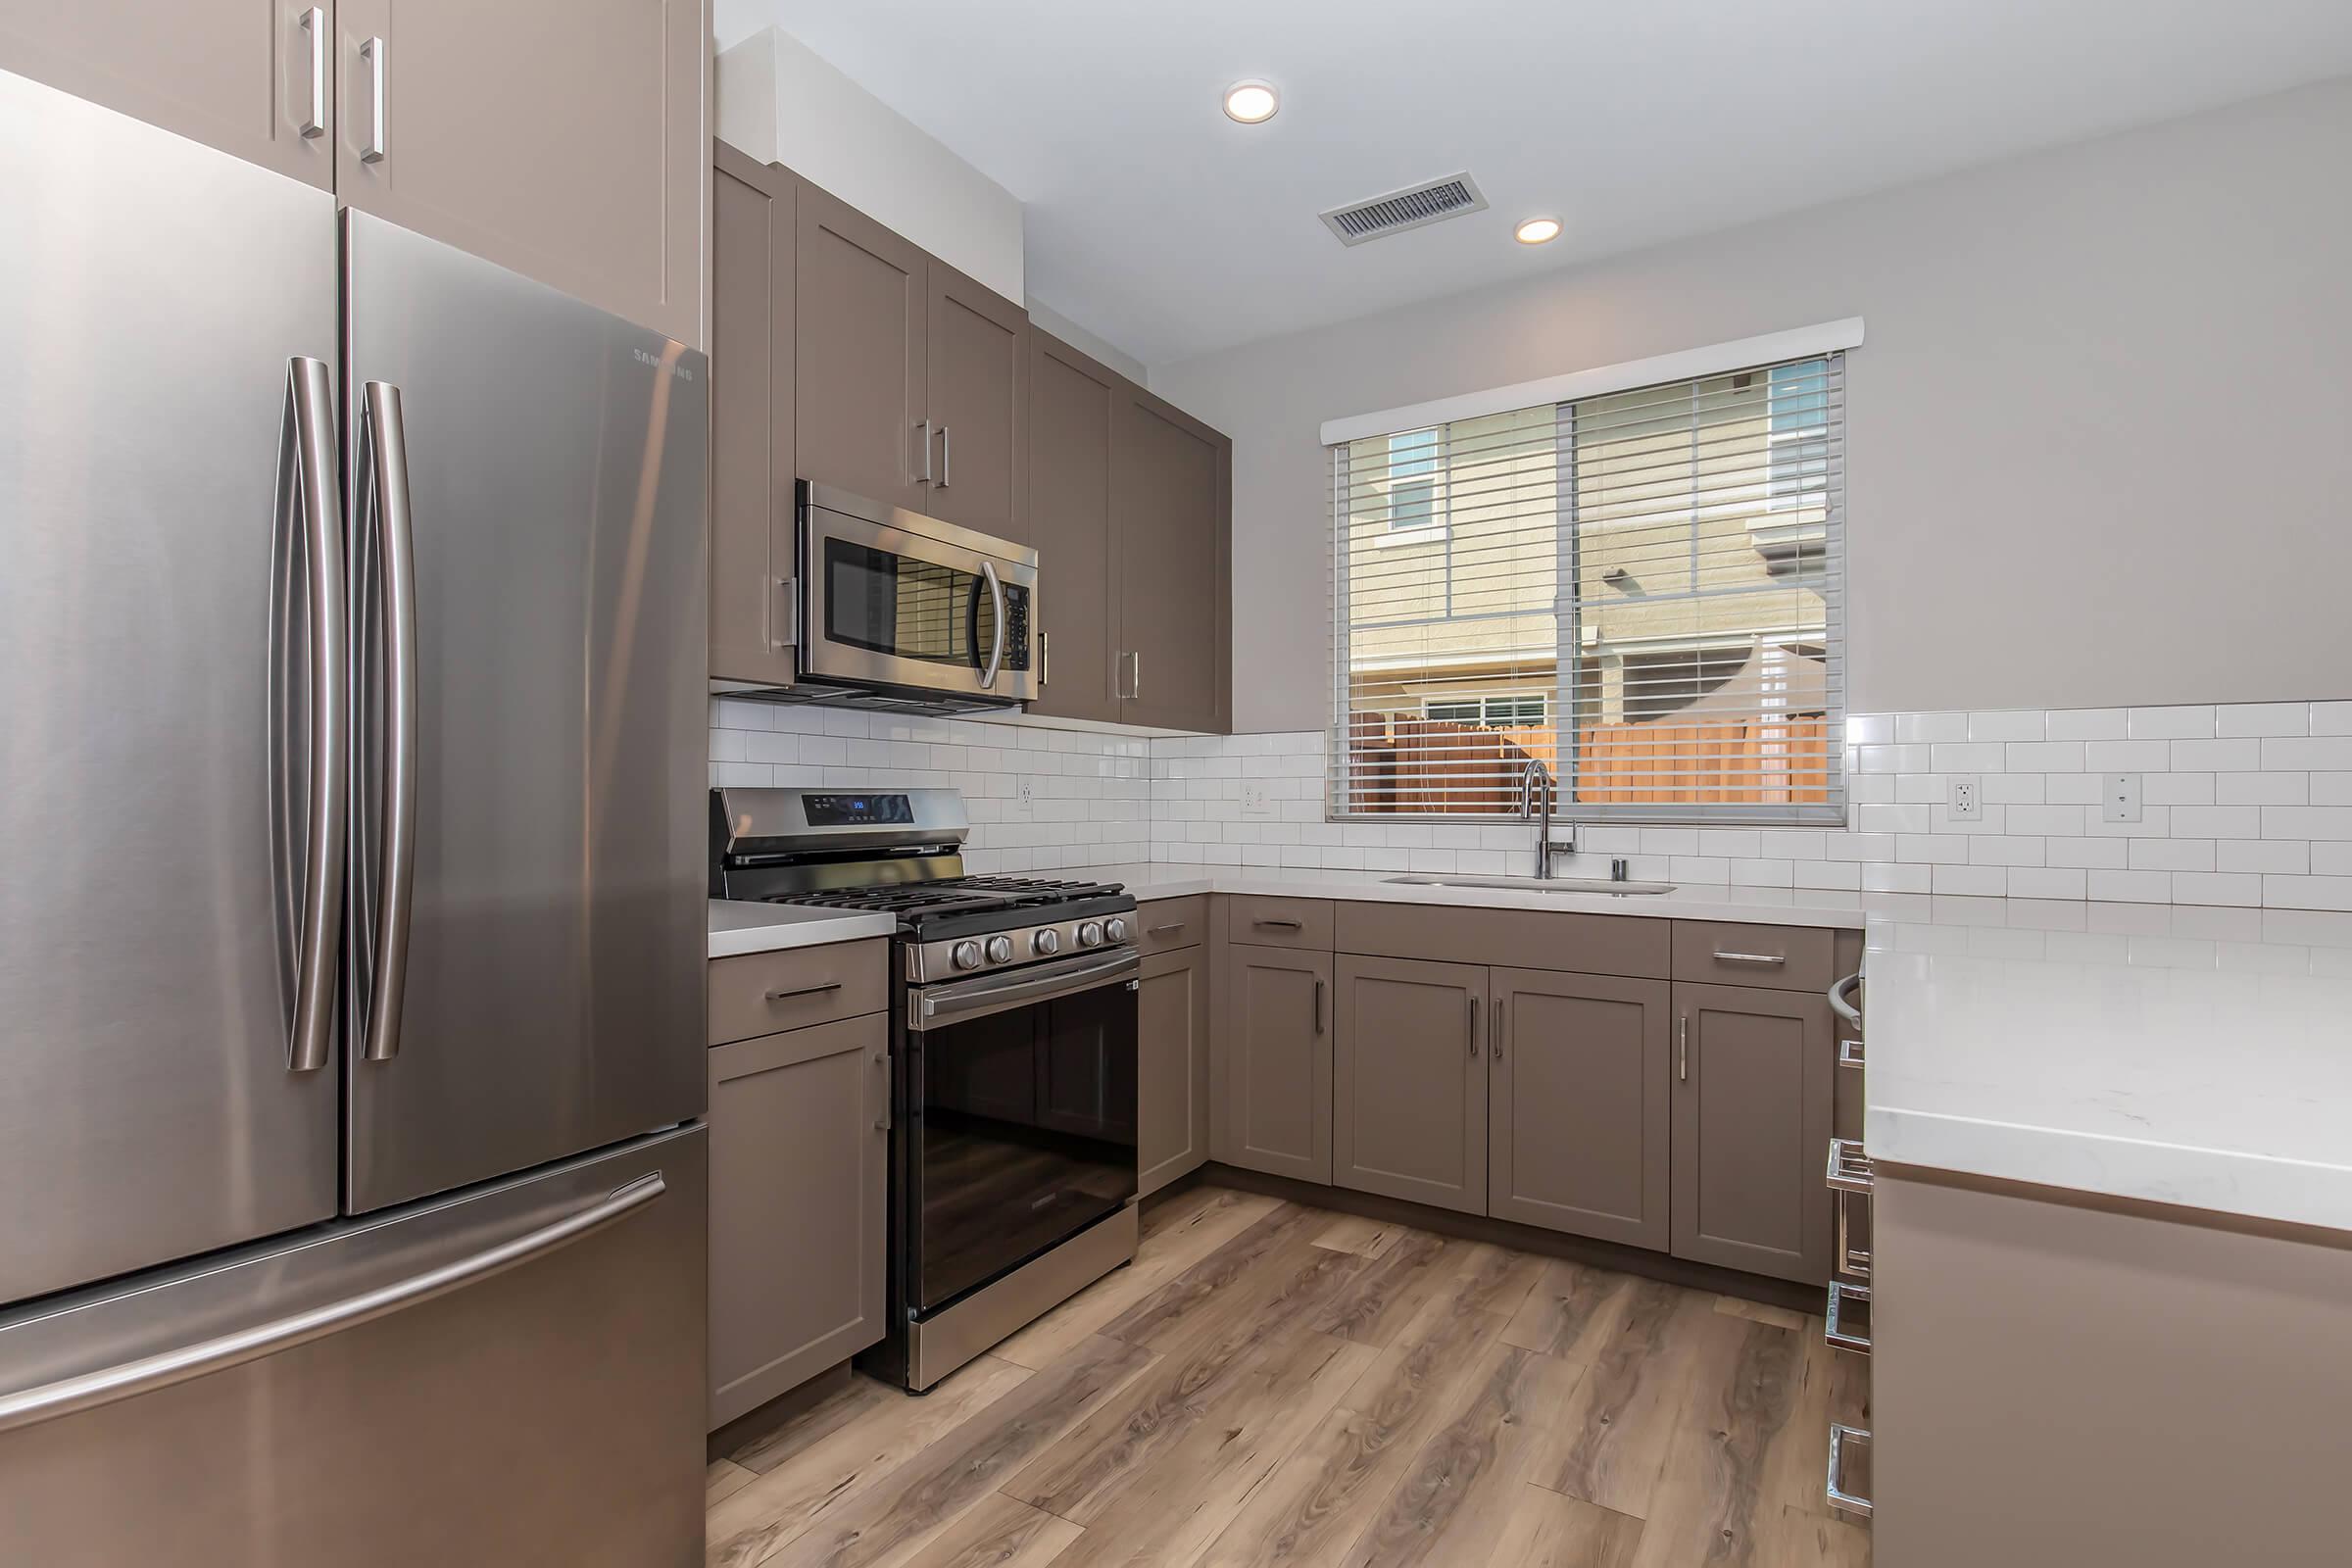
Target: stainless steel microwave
{"points": [[901, 610]]}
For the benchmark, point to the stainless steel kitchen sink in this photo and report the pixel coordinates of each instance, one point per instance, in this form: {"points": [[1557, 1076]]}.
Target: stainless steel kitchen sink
{"points": [[1529, 884]]}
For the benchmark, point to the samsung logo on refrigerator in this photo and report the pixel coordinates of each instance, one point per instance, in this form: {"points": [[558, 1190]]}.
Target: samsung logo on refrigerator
{"points": [[684, 373]]}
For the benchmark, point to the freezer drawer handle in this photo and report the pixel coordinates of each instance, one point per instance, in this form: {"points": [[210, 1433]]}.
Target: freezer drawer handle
{"points": [[71, 1396]]}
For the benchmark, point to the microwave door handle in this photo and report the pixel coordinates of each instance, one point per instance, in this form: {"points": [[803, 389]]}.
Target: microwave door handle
{"points": [[996, 595]]}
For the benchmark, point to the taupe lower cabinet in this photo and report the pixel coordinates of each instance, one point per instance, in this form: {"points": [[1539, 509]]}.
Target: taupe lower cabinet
{"points": [[1579, 1123], [800, 1147], [1270, 1067], [1752, 1124], [1409, 1081], [560, 138], [1172, 1034], [753, 264]]}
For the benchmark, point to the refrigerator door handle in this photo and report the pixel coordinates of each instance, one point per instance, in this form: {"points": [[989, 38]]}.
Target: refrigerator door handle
{"points": [[387, 486], [313, 512], [88, 1391]]}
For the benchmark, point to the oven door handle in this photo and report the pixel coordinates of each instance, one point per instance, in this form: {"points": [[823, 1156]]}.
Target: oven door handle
{"points": [[935, 1006]]}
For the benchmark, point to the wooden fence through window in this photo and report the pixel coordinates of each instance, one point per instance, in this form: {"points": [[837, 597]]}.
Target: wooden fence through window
{"points": [[1410, 765]]}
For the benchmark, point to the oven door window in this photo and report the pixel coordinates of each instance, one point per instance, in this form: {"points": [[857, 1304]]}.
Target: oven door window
{"points": [[1028, 1134], [905, 607]]}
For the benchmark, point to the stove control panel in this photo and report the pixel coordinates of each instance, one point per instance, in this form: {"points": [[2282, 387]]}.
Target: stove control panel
{"points": [[951, 956]]}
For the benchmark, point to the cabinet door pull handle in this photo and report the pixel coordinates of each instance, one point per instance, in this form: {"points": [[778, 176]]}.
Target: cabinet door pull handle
{"points": [[314, 24], [924, 477], [379, 140], [882, 1060], [1682, 1048], [1496, 1028], [1474, 1023], [1163, 930], [946, 457], [1278, 925], [804, 991], [1318, 1005], [1768, 958], [1138, 656]]}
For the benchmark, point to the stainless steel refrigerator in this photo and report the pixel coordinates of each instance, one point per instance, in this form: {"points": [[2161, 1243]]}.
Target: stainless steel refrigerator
{"points": [[352, 1177]]}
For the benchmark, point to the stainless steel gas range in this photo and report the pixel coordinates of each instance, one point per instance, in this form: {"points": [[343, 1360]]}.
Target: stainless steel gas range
{"points": [[1012, 1163]]}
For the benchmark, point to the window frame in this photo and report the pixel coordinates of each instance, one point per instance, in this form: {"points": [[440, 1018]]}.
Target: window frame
{"points": [[1569, 612]]}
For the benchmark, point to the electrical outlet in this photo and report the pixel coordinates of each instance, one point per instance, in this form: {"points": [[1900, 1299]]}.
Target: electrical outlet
{"points": [[2118, 797], [1024, 798], [1967, 803], [1256, 799]]}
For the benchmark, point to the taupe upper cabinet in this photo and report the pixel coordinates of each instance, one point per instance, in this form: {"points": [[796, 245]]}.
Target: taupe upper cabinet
{"points": [[979, 343], [560, 138], [1579, 1108], [862, 356], [799, 1146], [1172, 1074], [252, 78], [1170, 488], [1409, 1081], [1752, 1124], [1074, 403], [1271, 1065], [753, 263]]}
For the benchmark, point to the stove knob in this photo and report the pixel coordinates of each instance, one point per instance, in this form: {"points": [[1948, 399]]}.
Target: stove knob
{"points": [[965, 955], [1114, 929], [1046, 943], [999, 949], [1090, 935]]}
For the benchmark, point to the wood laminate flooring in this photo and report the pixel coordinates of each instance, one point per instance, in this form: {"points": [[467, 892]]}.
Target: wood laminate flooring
{"points": [[1274, 1385]]}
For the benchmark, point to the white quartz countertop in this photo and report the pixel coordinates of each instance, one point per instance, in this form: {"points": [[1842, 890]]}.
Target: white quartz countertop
{"points": [[1693, 901], [739, 926], [2193, 1057]]}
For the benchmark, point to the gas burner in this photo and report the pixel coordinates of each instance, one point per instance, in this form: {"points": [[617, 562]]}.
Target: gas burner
{"points": [[969, 895]]}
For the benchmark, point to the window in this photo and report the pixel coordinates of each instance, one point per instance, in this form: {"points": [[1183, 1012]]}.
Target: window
{"points": [[1412, 479], [1642, 591]]}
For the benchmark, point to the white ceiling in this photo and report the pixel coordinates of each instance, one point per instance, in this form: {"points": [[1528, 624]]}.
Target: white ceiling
{"points": [[1168, 229]]}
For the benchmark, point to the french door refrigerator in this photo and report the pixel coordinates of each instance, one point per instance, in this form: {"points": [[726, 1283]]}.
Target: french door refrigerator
{"points": [[352, 1177]]}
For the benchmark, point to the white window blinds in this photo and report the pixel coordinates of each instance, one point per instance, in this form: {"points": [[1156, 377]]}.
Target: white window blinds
{"points": [[1642, 591]]}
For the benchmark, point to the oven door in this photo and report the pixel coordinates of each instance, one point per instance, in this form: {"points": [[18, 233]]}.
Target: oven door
{"points": [[1020, 1104], [899, 599]]}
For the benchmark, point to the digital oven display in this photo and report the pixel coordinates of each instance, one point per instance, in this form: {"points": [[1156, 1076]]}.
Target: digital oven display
{"points": [[857, 810]]}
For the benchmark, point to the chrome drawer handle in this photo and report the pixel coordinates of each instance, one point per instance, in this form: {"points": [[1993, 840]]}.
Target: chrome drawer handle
{"points": [[1849, 1053], [1844, 1328], [804, 991], [1278, 925], [1163, 930], [1839, 1494], [1849, 1167], [1721, 957]]}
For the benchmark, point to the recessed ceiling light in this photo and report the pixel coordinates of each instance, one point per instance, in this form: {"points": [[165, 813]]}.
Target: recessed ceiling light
{"points": [[1252, 103], [1539, 230]]}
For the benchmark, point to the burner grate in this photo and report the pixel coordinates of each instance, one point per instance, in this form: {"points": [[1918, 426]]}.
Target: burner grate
{"points": [[962, 895]]}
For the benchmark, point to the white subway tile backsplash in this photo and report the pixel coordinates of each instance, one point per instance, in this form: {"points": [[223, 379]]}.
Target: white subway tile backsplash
{"points": [[2329, 751], [2263, 718], [2132, 887], [2330, 789], [2172, 854], [2331, 718], [1923, 728], [1892, 878], [2219, 757], [2049, 882], [2169, 723], [2087, 853], [2127, 757], [2045, 757], [2278, 856], [2008, 724], [1968, 757], [2086, 724], [2217, 821]]}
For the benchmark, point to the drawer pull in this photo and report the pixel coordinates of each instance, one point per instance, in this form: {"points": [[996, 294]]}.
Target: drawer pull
{"points": [[1847, 1327], [1842, 1001], [1843, 1441], [1163, 930], [804, 991], [1849, 1053], [1770, 958], [1278, 925], [1850, 1166]]}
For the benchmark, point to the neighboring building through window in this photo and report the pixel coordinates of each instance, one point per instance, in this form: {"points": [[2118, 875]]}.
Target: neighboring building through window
{"points": [[1413, 480]]}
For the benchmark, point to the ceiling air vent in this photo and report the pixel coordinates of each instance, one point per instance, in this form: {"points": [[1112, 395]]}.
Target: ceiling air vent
{"points": [[1432, 202]]}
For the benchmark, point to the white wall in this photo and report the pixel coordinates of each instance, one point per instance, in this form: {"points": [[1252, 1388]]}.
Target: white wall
{"points": [[782, 104], [1085, 342], [2099, 439]]}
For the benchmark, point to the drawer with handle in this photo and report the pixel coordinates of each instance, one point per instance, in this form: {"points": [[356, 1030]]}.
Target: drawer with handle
{"points": [[1850, 1178], [758, 994], [1166, 925], [1271, 922], [1784, 957]]}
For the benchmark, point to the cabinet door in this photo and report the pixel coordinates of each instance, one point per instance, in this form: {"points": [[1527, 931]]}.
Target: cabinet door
{"points": [[1165, 509], [1270, 1068], [979, 343], [860, 351], [1579, 1117], [564, 139], [1409, 1081], [1172, 1045], [1751, 1125], [754, 252], [237, 74], [1074, 406], [798, 1183]]}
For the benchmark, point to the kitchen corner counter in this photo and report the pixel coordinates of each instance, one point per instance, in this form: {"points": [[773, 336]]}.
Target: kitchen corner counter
{"points": [[2189, 1057], [1690, 902], [738, 926]]}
